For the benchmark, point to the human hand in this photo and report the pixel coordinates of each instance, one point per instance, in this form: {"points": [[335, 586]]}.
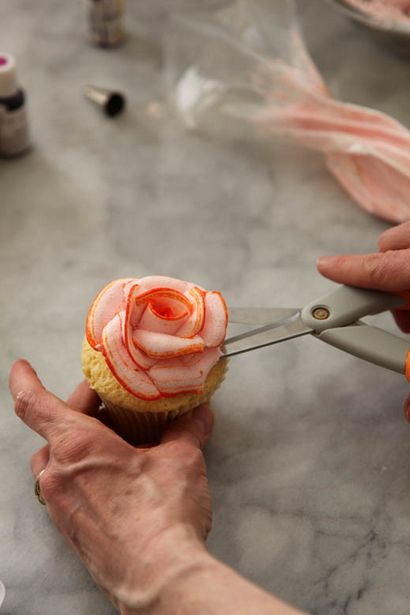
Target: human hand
{"points": [[136, 517], [388, 270]]}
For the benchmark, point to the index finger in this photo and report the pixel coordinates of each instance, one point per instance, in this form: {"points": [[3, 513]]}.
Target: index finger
{"points": [[388, 271], [34, 405]]}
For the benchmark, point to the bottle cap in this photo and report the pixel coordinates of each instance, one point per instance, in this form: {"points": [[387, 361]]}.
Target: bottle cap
{"points": [[8, 77]]}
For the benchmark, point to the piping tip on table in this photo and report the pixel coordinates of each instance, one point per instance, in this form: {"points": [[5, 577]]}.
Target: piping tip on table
{"points": [[111, 102]]}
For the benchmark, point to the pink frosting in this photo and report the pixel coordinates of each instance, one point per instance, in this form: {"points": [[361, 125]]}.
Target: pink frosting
{"points": [[160, 336]]}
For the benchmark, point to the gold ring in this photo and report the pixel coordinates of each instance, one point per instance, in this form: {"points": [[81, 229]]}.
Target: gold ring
{"points": [[37, 489]]}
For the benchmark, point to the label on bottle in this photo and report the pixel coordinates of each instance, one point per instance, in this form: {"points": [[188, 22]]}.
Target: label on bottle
{"points": [[14, 132], [105, 22], [106, 33]]}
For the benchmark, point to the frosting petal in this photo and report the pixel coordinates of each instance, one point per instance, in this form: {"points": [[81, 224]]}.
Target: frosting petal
{"points": [[194, 323], [163, 346], [176, 376], [154, 319], [158, 281], [216, 319], [121, 364], [109, 301]]}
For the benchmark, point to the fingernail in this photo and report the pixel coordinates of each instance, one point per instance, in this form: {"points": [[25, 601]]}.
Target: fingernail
{"points": [[322, 261]]}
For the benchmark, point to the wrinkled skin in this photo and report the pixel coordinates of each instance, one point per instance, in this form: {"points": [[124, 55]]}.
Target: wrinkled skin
{"points": [[138, 518], [107, 497], [388, 270]]}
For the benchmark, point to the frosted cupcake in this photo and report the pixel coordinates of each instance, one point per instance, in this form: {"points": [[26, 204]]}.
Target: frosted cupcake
{"points": [[152, 351]]}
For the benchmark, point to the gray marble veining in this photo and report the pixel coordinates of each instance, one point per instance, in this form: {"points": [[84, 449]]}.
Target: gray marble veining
{"points": [[309, 464]]}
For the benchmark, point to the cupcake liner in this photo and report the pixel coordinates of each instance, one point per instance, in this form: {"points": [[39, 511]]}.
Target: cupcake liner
{"points": [[140, 427]]}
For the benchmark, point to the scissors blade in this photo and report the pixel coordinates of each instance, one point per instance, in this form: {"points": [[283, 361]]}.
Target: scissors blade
{"points": [[259, 316], [266, 336]]}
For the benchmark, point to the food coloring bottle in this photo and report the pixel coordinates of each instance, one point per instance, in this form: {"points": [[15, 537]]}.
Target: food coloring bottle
{"points": [[105, 22]]}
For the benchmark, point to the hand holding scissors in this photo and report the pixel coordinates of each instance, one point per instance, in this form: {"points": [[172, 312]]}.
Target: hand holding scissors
{"points": [[335, 318]]}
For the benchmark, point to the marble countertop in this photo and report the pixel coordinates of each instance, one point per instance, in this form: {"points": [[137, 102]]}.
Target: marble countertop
{"points": [[309, 463]]}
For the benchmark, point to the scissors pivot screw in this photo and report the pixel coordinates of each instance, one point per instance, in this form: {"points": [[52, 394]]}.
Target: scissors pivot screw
{"points": [[320, 313]]}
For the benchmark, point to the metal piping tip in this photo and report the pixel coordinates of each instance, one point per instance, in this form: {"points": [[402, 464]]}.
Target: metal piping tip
{"points": [[112, 103]]}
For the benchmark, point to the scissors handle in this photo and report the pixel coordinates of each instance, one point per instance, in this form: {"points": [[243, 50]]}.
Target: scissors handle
{"points": [[334, 319], [371, 344], [347, 304]]}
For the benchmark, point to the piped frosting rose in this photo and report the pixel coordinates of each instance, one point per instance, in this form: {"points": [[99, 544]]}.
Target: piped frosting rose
{"points": [[160, 336]]}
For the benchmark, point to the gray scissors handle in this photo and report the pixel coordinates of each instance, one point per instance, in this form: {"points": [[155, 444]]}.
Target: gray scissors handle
{"points": [[371, 344], [346, 305], [333, 319]]}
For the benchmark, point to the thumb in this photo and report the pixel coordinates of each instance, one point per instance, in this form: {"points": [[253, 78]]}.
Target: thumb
{"points": [[193, 428], [402, 318]]}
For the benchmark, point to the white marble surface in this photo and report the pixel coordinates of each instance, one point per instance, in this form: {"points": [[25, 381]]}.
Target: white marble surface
{"points": [[309, 464]]}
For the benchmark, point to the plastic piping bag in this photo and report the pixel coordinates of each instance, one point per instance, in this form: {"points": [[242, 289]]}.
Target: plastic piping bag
{"points": [[247, 65]]}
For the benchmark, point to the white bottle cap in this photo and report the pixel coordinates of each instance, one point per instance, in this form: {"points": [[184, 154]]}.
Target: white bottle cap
{"points": [[8, 77]]}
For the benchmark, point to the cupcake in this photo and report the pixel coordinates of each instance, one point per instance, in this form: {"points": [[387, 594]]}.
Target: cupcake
{"points": [[152, 351]]}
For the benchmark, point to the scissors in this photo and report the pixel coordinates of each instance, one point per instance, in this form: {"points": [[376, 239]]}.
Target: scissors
{"points": [[334, 319]]}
